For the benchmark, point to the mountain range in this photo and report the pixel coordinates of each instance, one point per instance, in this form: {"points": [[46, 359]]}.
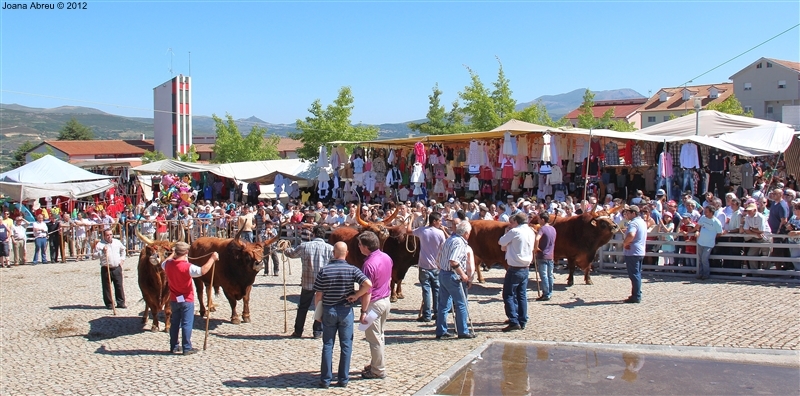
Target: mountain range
{"points": [[22, 123]]}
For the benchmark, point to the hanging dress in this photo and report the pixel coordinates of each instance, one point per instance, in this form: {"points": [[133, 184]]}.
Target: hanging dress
{"points": [[474, 184], [416, 175], [508, 168], [528, 183]]}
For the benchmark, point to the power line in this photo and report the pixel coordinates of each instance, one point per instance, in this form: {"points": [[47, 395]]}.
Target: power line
{"points": [[737, 56]]}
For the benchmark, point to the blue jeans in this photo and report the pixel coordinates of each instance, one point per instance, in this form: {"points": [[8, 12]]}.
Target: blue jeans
{"points": [[336, 319], [515, 295], [546, 272], [705, 267], [247, 236], [666, 182], [182, 319], [688, 181], [41, 250], [451, 294], [429, 281], [634, 267]]}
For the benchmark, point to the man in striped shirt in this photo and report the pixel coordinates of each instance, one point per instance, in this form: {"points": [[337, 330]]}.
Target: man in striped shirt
{"points": [[334, 287], [452, 264], [313, 255]]}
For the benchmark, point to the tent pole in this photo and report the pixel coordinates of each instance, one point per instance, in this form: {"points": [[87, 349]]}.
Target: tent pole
{"points": [[586, 181]]}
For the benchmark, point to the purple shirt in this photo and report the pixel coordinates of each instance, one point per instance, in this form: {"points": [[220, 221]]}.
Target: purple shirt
{"points": [[378, 268], [547, 242], [430, 240]]}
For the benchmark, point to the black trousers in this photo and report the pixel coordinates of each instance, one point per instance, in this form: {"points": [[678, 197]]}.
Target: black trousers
{"points": [[716, 182], [306, 298], [55, 246], [270, 253], [116, 279]]}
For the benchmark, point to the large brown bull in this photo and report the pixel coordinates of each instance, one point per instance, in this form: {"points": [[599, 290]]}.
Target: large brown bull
{"points": [[395, 242], [577, 240], [153, 280], [239, 263]]}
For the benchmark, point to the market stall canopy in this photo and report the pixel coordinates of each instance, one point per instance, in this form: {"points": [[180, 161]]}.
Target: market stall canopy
{"points": [[292, 169], [174, 166], [524, 127], [48, 177], [711, 123], [771, 138]]}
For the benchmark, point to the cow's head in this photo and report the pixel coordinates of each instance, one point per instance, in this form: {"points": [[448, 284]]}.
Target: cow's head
{"points": [[155, 251], [379, 227], [604, 225], [250, 254]]}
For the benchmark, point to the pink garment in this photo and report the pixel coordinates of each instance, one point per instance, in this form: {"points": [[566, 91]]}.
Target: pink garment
{"points": [[419, 152]]}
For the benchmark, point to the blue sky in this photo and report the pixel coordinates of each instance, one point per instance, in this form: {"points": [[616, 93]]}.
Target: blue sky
{"points": [[273, 59]]}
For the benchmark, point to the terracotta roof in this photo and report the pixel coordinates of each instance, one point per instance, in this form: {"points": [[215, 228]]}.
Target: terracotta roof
{"points": [[675, 100], [95, 147], [204, 148], [287, 144], [792, 65], [622, 108]]}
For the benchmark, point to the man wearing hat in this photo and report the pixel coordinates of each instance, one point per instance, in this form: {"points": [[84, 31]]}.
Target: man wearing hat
{"points": [[754, 227], [634, 248], [181, 295]]}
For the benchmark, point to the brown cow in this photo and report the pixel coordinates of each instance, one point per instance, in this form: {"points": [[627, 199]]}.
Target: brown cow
{"points": [[577, 240], [394, 242], [239, 263], [153, 280]]}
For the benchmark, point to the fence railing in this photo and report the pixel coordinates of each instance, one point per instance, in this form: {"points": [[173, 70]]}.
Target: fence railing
{"points": [[729, 258]]}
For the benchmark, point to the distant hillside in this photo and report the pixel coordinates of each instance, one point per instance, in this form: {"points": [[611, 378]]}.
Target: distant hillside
{"points": [[561, 104]]}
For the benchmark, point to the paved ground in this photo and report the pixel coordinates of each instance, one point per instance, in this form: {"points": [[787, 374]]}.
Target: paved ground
{"points": [[57, 338]]}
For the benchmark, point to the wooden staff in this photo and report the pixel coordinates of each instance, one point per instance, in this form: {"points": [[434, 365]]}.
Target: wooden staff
{"points": [[208, 306], [285, 307], [108, 272]]}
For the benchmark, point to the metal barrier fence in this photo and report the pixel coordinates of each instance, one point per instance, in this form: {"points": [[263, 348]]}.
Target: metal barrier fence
{"points": [[724, 265]]}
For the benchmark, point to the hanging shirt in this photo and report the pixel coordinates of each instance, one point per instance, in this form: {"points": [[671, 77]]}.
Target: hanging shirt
{"points": [[612, 153], [665, 164], [689, 157]]}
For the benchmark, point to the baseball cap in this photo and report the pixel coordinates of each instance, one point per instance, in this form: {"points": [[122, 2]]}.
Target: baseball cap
{"points": [[632, 208], [751, 206], [520, 200], [181, 248], [482, 206], [451, 200], [661, 192], [439, 206], [509, 196], [667, 214]]}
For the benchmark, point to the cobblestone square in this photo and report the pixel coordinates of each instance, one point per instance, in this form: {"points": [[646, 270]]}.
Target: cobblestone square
{"points": [[57, 338]]}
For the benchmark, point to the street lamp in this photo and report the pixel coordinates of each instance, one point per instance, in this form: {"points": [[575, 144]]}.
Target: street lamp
{"points": [[698, 104]]}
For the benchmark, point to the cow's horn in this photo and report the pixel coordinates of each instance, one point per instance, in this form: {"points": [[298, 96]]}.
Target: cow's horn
{"points": [[391, 217], [239, 232], [360, 221], [147, 241]]}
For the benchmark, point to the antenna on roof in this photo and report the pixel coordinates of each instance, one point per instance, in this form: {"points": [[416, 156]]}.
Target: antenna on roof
{"points": [[171, 54]]}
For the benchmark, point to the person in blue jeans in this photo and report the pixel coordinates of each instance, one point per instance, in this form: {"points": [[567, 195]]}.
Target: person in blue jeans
{"points": [[181, 295], [709, 228], [40, 233], [518, 243], [545, 248], [333, 286], [633, 251], [431, 237], [452, 264]]}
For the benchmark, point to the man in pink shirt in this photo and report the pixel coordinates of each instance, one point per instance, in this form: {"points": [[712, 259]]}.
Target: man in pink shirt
{"points": [[181, 294], [378, 268]]}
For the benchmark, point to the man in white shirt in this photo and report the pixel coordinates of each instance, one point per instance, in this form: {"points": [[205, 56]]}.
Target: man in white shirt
{"points": [[754, 227], [18, 239], [112, 254], [518, 243]]}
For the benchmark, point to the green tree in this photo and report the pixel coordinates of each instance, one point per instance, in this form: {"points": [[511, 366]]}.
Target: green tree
{"points": [[730, 105], [190, 156], [621, 126], [74, 130], [231, 146], [20, 152], [440, 122], [537, 114], [586, 118], [479, 105], [152, 156], [504, 104], [329, 124]]}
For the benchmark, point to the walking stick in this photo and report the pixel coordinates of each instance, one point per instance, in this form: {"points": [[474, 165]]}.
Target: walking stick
{"points": [[536, 269], [208, 310], [285, 306], [466, 305], [108, 272]]}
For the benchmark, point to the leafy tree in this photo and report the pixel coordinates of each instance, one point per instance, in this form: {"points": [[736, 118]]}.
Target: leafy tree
{"points": [[328, 124], [479, 105], [190, 156], [621, 126], [231, 146], [536, 114], [730, 105], [74, 130], [504, 104], [440, 122], [152, 156], [20, 152]]}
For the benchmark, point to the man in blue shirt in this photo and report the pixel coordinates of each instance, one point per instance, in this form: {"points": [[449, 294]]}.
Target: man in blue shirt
{"points": [[634, 245], [710, 227]]}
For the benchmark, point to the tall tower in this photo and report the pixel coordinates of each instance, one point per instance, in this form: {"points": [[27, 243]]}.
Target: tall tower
{"points": [[172, 118]]}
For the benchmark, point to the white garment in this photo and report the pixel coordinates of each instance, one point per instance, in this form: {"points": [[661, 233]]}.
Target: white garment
{"points": [[474, 185], [522, 146], [450, 174], [417, 176], [369, 182], [554, 141], [403, 194], [528, 181], [438, 188], [515, 184], [581, 149], [358, 165], [473, 157], [323, 176], [508, 147], [556, 176], [546, 153], [689, 156]]}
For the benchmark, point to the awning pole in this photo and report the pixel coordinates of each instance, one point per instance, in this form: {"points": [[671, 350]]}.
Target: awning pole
{"points": [[586, 181]]}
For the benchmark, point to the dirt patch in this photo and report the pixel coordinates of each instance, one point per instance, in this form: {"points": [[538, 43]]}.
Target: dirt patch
{"points": [[63, 328]]}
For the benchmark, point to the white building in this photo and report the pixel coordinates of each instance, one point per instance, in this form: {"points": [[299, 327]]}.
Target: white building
{"points": [[766, 85], [172, 118]]}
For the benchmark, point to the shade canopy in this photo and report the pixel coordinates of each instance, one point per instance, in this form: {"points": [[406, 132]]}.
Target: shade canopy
{"points": [[711, 123], [51, 177], [762, 140], [262, 171]]}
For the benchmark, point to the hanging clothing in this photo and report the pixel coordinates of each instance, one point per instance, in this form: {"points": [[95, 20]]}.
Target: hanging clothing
{"points": [[474, 184], [528, 184], [689, 157], [515, 184], [358, 165], [612, 153], [419, 152], [507, 168], [416, 175], [438, 188], [665, 164], [554, 154], [474, 156], [546, 151], [636, 155], [556, 176]]}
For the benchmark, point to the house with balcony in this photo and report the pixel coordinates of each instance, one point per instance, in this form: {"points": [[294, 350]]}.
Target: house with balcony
{"points": [[669, 103], [766, 86]]}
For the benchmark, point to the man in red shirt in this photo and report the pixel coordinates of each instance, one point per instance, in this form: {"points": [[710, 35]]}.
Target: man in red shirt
{"points": [[181, 294], [161, 225]]}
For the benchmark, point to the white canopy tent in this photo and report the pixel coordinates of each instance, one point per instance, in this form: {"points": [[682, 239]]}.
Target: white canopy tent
{"points": [[174, 166], [711, 123], [48, 177], [262, 171], [762, 140]]}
